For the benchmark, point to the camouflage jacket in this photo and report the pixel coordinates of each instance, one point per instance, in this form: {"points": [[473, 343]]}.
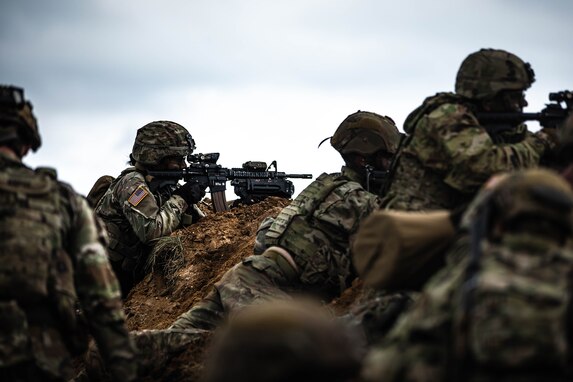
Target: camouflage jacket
{"points": [[52, 257], [448, 155], [317, 227], [135, 216], [503, 321]]}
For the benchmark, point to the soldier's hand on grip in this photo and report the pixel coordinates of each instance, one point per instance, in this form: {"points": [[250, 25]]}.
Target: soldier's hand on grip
{"points": [[191, 192]]}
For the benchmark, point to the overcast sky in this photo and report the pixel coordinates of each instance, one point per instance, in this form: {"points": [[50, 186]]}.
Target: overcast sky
{"points": [[254, 80]]}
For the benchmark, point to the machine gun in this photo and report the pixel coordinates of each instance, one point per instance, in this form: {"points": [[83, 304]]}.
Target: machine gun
{"points": [[271, 183], [253, 182], [554, 113]]}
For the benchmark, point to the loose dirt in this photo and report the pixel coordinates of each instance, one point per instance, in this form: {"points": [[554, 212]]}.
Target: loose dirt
{"points": [[208, 248]]}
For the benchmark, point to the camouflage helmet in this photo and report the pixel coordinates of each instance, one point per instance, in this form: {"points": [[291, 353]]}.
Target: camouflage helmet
{"points": [[161, 139], [366, 133], [17, 122], [485, 73], [537, 193]]}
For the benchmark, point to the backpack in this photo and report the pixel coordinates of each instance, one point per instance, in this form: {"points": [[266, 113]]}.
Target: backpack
{"points": [[514, 308], [99, 189], [36, 272]]}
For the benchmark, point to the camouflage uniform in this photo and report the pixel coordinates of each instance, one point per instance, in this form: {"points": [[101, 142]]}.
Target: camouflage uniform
{"points": [[135, 212], [449, 154], [308, 243], [500, 310], [52, 258]]}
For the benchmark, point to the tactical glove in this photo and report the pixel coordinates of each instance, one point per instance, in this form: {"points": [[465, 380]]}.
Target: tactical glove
{"points": [[191, 192]]}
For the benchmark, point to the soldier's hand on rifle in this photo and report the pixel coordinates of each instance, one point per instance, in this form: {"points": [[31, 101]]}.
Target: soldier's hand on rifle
{"points": [[191, 192]]}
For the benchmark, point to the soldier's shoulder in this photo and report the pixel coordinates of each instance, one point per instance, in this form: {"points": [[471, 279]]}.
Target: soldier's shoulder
{"points": [[429, 105], [342, 182], [450, 111], [129, 180], [131, 174]]}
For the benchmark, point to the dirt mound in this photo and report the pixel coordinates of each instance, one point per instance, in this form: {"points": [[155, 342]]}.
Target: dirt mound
{"points": [[210, 248]]}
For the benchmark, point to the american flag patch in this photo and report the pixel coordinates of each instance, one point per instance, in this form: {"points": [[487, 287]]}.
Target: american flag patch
{"points": [[137, 196]]}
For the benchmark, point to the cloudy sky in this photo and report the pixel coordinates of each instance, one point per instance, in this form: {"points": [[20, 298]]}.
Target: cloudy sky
{"points": [[253, 79]]}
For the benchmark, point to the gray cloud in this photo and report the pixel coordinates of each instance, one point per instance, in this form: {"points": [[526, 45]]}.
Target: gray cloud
{"points": [[97, 70]]}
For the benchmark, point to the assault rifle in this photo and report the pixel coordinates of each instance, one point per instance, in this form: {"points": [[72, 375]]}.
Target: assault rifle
{"points": [[252, 182], [551, 116]]}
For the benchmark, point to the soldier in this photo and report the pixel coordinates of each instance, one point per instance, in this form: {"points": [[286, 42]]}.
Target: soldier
{"points": [[283, 341], [501, 308], [308, 243], [449, 154], [52, 257], [137, 209]]}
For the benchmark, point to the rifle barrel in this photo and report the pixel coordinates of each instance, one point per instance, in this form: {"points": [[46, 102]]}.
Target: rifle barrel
{"points": [[242, 174], [299, 176], [508, 117]]}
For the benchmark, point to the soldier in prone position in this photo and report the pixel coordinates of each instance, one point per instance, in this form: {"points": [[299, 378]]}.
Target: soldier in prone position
{"points": [[307, 246], [449, 153], [52, 257]]}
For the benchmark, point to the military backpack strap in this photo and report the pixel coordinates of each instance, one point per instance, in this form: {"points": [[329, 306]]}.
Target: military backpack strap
{"points": [[429, 105], [303, 205]]}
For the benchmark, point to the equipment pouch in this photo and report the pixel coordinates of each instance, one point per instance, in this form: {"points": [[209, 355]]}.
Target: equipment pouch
{"points": [[71, 322], [14, 339]]}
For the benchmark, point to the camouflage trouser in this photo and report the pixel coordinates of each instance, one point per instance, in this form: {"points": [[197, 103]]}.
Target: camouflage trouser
{"points": [[256, 279]]}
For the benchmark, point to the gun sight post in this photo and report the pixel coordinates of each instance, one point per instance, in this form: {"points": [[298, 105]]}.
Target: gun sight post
{"points": [[203, 158]]}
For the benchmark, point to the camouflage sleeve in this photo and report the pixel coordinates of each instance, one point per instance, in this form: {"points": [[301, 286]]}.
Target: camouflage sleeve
{"points": [[148, 220], [450, 141], [98, 291]]}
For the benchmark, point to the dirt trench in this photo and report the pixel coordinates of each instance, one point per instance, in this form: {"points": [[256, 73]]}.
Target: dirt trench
{"points": [[209, 248]]}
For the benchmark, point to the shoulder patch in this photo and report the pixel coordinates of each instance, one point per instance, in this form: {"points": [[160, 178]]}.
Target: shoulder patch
{"points": [[138, 195]]}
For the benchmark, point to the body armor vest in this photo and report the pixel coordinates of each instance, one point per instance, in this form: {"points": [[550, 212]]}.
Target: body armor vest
{"points": [[37, 287], [323, 264], [414, 187], [301, 208], [31, 226], [123, 243], [417, 188]]}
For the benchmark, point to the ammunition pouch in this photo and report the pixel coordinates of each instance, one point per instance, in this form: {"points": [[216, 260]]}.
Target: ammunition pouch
{"points": [[119, 251]]}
